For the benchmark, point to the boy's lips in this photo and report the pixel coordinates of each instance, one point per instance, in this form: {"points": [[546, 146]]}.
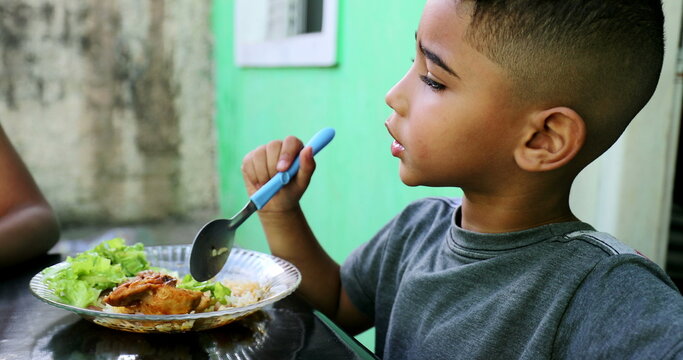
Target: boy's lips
{"points": [[396, 147]]}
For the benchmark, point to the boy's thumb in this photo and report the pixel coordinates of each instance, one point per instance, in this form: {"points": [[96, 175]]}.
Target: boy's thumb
{"points": [[306, 166]]}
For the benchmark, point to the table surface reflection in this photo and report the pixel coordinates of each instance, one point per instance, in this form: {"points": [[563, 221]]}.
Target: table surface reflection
{"points": [[288, 329]]}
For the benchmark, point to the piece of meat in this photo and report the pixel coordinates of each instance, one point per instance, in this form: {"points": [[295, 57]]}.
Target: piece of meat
{"points": [[154, 293], [133, 290]]}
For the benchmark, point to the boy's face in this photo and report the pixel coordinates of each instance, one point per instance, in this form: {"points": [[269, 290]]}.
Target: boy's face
{"points": [[454, 121]]}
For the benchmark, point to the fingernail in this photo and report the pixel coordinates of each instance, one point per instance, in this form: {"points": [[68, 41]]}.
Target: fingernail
{"points": [[281, 164]]}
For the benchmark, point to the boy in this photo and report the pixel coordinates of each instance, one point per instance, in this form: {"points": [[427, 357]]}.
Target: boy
{"points": [[507, 100]]}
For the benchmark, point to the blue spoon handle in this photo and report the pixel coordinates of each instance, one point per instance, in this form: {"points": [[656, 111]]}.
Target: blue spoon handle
{"points": [[261, 197]]}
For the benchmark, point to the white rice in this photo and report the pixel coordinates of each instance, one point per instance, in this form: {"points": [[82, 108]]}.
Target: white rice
{"points": [[242, 293]]}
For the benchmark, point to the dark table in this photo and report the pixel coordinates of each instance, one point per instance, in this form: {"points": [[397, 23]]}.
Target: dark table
{"points": [[288, 329]]}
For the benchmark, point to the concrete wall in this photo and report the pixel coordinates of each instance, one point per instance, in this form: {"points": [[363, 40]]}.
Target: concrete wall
{"points": [[110, 103]]}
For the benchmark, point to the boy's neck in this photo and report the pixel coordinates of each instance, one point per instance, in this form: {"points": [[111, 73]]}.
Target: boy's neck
{"points": [[500, 215]]}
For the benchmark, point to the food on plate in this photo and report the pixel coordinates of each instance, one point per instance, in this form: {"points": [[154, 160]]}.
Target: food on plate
{"points": [[154, 293], [114, 277]]}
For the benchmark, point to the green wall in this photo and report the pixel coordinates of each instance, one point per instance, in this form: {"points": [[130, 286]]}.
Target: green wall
{"points": [[356, 188]]}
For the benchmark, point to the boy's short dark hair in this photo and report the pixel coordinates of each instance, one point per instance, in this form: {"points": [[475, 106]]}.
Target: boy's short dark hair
{"points": [[602, 58]]}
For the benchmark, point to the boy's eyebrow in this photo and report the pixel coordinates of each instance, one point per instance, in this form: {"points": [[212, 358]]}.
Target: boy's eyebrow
{"points": [[436, 60]]}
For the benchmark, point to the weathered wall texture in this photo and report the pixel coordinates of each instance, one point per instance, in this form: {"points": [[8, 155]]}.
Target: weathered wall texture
{"points": [[110, 103]]}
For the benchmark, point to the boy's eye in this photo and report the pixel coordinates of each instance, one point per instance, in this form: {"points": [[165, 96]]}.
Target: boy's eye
{"points": [[436, 86]]}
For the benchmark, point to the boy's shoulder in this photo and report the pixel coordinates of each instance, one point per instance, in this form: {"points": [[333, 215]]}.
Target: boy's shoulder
{"points": [[625, 306], [602, 241]]}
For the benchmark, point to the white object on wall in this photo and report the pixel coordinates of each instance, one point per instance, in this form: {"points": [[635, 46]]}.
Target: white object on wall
{"points": [[274, 33]]}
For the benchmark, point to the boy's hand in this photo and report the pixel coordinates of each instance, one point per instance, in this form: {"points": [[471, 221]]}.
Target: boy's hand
{"points": [[261, 164], [290, 237]]}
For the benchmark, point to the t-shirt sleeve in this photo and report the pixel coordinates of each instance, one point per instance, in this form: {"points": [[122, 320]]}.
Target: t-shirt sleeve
{"points": [[626, 308], [360, 272]]}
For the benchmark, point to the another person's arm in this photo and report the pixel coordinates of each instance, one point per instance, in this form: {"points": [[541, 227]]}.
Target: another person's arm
{"points": [[28, 226], [289, 235]]}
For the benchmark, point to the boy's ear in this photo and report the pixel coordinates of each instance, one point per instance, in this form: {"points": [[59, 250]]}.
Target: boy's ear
{"points": [[552, 138]]}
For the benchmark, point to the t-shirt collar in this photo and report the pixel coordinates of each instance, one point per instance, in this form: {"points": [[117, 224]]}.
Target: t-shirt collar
{"points": [[471, 240]]}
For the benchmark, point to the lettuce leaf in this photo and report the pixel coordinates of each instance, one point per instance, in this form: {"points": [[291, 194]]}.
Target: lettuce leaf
{"points": [[81, 281], [218, 290], [131, 258]]}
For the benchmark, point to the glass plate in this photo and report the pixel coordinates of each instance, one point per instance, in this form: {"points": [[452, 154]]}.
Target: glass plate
{"points": [[277, 277]]}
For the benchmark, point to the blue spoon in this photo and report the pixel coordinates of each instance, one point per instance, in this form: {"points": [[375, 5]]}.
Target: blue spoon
{"points": [[214, 241]]}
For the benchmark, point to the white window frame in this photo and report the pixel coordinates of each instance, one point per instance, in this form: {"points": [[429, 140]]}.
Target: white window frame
{"points": [[311, 49]]}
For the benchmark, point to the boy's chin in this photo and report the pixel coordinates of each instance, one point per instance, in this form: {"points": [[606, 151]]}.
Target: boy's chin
{"points": [[409, 179], [416, 178]]}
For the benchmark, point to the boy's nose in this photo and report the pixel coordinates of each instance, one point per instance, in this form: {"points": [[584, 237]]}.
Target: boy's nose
{"points": [[396, 98]]}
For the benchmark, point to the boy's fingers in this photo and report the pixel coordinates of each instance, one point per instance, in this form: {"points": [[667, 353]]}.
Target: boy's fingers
{"points": [[273, 154], [290, 147], [306, 167], [260, 162], [248, 171]]}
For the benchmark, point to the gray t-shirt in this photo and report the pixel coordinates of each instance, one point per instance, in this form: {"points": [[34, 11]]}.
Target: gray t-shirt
{"points": [[437, 291]]}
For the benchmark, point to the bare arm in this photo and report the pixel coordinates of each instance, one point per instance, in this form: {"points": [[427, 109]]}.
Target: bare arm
{"points": [[28, 226], [291, 238]]}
